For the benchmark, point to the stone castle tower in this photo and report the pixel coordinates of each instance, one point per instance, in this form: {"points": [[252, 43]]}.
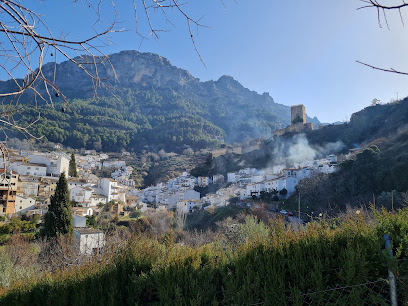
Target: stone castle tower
{"points": [[298, 113], [298, 121]]}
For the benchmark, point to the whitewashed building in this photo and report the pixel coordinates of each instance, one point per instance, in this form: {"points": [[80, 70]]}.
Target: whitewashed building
{"points": [[203, 181], [108, 188], [274, 184], [190, 195], [232, 177], [218, 178], [27, 186], [254, 189], [29, 168], [81, 195], [24, 204], [82, 211], [187, 206], [290, 184], [114, 163], [55, 166], [257, 178], [96, 199], [76, 182], [89, 240], [79, 221]]}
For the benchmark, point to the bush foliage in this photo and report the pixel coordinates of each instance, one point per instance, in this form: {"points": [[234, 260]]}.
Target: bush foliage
{"points": [[272, 265]]}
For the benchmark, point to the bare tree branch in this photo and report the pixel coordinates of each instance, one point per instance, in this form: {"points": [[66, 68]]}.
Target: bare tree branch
{"points": [[382, 7], [382, 69], [26, 40], [378, 5]]}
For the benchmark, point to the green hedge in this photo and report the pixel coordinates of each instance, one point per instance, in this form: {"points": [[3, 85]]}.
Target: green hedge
{"points": [[326, 254]]}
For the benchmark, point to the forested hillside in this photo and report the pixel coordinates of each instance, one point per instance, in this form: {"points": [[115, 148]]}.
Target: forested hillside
{"points": [[379, 123], [111, 125], [378, 174], [145, 101]]}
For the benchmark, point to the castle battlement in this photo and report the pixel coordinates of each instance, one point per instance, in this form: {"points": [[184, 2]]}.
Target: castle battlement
{"points": [[298, 121]]}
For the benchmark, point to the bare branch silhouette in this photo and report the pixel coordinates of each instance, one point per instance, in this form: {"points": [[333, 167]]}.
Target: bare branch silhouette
{"points": [[26, 40], [382, 69], [382, 7]]}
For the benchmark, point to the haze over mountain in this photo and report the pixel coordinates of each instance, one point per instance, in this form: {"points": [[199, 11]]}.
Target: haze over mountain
{"points": [[147, 101]]}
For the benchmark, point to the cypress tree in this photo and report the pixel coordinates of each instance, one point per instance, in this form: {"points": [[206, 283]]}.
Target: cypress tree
{"points": [[58, 220], [72, 171]]}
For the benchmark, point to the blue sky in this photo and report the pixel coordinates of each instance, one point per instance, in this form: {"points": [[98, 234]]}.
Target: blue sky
{"points": [[298, 51]]}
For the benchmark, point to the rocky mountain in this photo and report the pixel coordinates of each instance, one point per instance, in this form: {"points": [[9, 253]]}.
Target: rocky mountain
{"points": [[155, 103]]}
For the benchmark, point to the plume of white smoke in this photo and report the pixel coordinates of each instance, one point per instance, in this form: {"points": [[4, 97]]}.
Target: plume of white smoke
{"points": [[331, 148], [300, 150], [297, 150]]}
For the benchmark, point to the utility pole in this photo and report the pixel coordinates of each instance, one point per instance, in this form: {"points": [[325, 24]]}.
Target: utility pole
{"points": [[392, 200], [299, 208], [374, 200], [391, 276]]}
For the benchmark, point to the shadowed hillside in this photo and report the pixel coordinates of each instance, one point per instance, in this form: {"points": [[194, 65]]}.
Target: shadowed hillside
{"points": [[147, 101]]}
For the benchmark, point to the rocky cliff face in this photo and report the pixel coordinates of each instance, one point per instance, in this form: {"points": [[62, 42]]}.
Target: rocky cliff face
{"points": [[126, 69], [133, 69], [151, 87]]}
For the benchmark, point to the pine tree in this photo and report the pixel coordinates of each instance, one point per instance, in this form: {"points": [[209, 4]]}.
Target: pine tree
{"points": [[72, 171], [58, 220]]}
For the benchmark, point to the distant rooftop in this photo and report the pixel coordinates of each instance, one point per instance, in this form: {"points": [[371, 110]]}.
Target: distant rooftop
{"points": [[87, 230]]}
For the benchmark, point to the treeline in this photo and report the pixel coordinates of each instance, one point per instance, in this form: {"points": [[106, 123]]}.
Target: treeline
{"points": [[342, 262], [377, 175], [112, 124], [372, 176], [380, 122], [155, 117]]}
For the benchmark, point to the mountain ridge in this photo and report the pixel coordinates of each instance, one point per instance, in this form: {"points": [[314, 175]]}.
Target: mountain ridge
{"points": [[147, 85]]}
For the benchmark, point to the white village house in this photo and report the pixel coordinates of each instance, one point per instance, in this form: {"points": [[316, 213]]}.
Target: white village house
{"points": [[89, 240], [187, 206], [55, 165], [81, 195], [24, 204]]}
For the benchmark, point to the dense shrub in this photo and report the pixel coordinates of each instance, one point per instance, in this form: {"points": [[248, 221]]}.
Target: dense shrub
{"points": [[135, 214], [273, 269], [16, 225]]}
